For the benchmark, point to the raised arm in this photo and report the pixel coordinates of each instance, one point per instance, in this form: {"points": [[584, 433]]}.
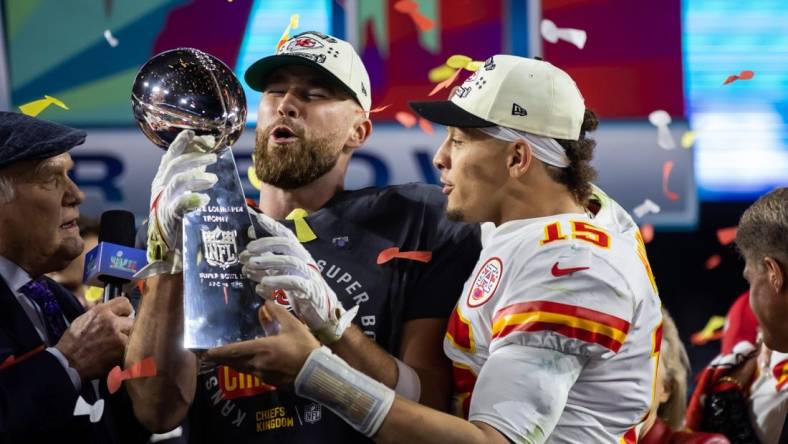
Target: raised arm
{"points": [[162, 402]]}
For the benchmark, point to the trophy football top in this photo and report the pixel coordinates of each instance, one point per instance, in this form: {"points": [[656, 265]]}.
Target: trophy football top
{"points": [[186, 88]]}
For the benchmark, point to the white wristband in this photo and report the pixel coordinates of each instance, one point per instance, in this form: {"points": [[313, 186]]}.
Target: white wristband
{"points": [[408, 382], [355, 397]]}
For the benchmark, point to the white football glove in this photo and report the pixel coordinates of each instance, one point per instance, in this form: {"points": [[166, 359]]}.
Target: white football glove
{"points": [[281, 262], [173, 193]]}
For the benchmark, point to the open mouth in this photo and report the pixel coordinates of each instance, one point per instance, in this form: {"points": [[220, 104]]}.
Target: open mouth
{"points": [[69, 225], [283, 134]]}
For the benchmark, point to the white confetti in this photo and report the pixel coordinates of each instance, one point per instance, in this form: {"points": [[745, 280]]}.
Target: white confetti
{"points": [[94, 411], [661, 119], [113, 42], [648, 206], [553, 34], [174, 433]]}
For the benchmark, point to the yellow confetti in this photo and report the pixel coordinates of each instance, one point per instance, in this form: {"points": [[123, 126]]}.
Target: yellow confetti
{"points": [[458, 61], [251, 174], [688, 139], [441, 73], [710, 332], [474, 65], [36, 107], [290, 26], [94, 294], [304, 232]]}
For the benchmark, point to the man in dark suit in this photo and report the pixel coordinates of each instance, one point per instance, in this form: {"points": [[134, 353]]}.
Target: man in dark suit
{"points": [[51, 350]]}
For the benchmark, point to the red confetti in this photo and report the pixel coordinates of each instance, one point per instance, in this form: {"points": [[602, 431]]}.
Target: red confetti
{"points": [[425, 125], [405, 119], [394, 253], [143, 369], [713, 261], [412, 8], [379, 109], [667, 167], [726, 235], [647, 231], [13, 360], [445, 84], [744, 75]]}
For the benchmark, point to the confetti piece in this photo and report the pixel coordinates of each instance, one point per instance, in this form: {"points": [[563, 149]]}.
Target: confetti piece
{"points": [[425, 125], [688, 139], [445, 84], [379, 109], [286, 35], [95, 294], [226, 295], [143, 369], [458, 61], [713, 261], [553, 34], [405, 119], [412, 8], [744, 75], [174, 433], [113, 42], [35, 107], [648, 206], [406, 6], [474, 65], [304, 232], [661, 119], [726, 235], [94, 411], [711, 332], [667, 167], [13, 360], [440, 73], [394, 253], [647, 231]]}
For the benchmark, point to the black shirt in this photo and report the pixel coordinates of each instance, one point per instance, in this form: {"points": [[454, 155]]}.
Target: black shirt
{"points": [[352, 229]]}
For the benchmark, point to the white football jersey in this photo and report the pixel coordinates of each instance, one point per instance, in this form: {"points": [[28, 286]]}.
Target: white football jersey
{"points": [[572, 284], [769, 398]]}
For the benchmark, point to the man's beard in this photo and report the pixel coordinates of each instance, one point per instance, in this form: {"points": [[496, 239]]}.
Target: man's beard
{"points": [[455, 215], [296, 164]]}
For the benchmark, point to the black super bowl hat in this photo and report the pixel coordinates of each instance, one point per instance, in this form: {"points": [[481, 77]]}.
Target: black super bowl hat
{"points": [[23, 137]]}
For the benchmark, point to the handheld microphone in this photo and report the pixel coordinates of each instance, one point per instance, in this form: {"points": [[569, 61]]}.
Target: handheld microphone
{"points": [[114, 261]]}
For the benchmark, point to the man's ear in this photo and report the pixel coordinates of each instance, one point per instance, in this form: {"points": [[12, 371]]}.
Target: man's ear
{"points": [[359, 133], [519, 158], [774, 273]]}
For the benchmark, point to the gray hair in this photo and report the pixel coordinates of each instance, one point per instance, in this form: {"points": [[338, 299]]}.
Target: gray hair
{"points": [[763, 228]]}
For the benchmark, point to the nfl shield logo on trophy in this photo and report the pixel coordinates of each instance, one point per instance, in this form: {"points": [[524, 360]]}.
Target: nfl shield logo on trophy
{"points": [[220, 247], [313, 413]]}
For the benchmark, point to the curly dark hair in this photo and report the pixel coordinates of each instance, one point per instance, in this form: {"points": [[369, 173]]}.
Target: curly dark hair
{"points": [[579, 174]]}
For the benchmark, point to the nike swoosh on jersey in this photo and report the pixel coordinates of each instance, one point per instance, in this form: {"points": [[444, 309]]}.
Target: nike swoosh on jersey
{"points": [[558, 272]]}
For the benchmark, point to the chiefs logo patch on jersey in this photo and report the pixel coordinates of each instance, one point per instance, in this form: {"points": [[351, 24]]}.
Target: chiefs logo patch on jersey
{"points": [[486, 282]]}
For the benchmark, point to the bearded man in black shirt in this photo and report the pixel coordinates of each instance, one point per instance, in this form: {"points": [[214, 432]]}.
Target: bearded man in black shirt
{"points": [[314, 113]]}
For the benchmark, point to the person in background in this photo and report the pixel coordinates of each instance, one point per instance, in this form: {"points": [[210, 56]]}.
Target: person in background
{"points": [[665, 420], [744, 393], [52, 352], [71, 276]]}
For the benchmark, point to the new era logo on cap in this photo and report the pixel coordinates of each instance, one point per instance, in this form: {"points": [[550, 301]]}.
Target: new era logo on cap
{"points": [[518, 110], [513, 87]]}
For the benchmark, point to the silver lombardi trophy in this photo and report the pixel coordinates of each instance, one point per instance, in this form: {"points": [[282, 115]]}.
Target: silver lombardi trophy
{"points": [[187, 89]]}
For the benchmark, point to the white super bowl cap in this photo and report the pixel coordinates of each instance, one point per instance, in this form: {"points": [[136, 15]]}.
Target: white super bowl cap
{"points": [[331, 55], [524, 94]]}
